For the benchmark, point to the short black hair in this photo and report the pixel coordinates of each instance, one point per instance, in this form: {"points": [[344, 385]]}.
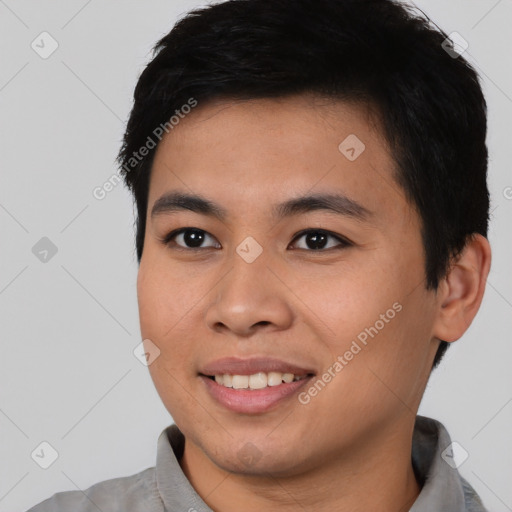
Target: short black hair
{"points": [[381, 52]]}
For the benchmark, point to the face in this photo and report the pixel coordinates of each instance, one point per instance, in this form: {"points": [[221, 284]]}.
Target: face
{"points": [[281, 256]]}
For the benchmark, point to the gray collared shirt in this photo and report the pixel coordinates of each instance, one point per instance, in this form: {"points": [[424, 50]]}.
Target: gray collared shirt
{"points": [[165, 488]]}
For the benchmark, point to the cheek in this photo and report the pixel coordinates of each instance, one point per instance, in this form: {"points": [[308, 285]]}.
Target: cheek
{"points": [[394, 361], [350, 302], [160, 311], [377, 318], [150, 297], [164, 299], [167, 301]]}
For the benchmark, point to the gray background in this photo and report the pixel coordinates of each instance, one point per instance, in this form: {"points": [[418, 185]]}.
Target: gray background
{"points": [[69, 325]]}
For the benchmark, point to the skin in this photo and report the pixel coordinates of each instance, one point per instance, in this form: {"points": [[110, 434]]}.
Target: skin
{"points": [[349, 448]]}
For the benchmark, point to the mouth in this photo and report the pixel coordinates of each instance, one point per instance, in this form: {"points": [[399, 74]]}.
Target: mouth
{"points": [[253, 386]]}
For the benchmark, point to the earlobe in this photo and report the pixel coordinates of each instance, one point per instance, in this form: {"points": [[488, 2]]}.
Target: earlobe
{"points": [[462, 289]]}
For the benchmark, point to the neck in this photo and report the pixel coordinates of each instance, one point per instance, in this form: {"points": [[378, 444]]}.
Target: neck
{"points": [[379, 476]]}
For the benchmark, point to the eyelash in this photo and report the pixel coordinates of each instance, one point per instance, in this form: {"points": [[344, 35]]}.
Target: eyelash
{"points": [[344, 243]]}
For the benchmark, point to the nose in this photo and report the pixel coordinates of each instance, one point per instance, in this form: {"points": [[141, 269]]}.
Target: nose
{"points": [[250, 297]]}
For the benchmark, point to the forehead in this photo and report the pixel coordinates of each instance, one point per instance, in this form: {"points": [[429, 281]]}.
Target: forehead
{"points": [[267, 150]]}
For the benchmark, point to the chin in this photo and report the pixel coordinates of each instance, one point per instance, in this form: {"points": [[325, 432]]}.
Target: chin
{"points": [[255, 459]]}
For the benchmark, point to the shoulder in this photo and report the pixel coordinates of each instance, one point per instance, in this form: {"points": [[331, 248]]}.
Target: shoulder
{"points": [[127, 494]]}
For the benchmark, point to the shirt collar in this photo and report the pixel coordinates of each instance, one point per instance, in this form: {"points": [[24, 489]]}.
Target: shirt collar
{"points": [[442, 486], [174, 487]]}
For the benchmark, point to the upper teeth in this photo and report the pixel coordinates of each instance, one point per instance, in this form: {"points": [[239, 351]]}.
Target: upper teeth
{"points": [[256, 381]]}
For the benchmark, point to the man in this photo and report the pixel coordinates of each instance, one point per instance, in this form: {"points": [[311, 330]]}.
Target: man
{"points": [[310, 181]]}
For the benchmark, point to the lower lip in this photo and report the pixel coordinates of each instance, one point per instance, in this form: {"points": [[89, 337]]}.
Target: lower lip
{"points": [[252, 401]]}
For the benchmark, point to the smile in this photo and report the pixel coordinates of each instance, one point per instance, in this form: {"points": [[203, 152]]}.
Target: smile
{"points": [[253, 385]]}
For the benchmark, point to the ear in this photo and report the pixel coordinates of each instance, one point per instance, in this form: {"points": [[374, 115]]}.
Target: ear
{"points": [[460, 293]]}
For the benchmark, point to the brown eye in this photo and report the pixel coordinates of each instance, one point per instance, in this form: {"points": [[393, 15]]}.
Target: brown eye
{"points": [[317, 240], [190, 238]]}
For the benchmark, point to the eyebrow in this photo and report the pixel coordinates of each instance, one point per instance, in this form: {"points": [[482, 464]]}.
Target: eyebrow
{"points": [[337, 203]]}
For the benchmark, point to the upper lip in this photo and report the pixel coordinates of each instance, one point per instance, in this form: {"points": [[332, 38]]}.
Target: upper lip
{"points": [[239, 366]]}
